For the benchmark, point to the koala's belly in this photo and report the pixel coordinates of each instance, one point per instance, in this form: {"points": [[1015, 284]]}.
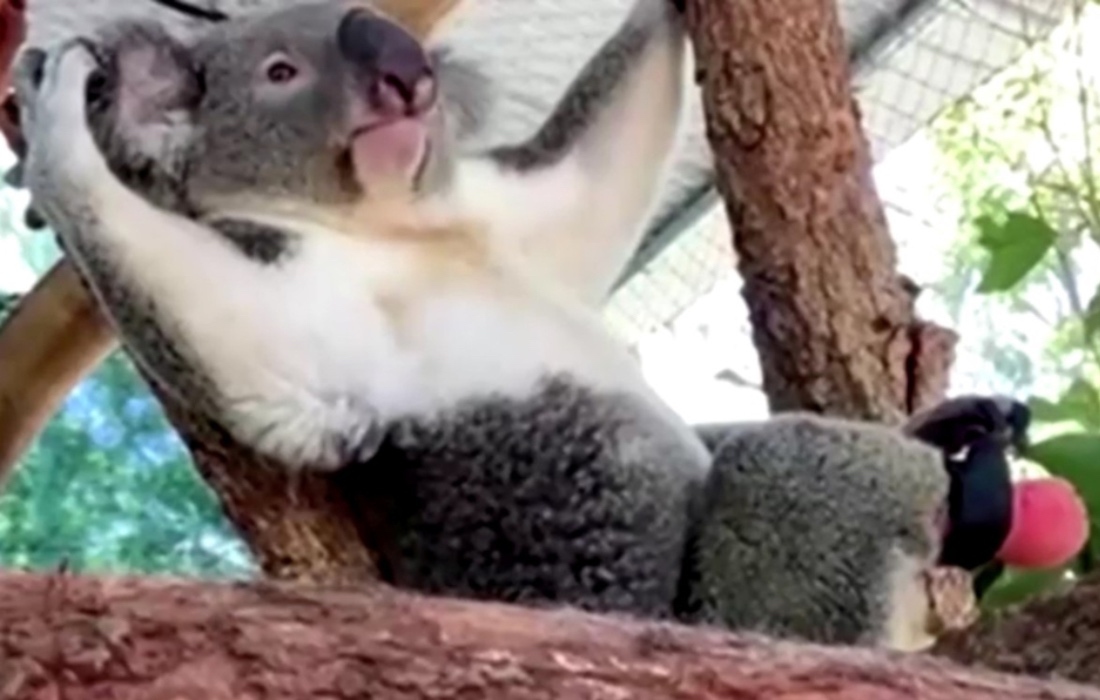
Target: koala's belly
{"points": [[566, 496]]}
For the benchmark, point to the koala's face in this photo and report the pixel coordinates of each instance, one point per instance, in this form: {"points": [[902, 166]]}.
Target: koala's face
{"points": [[320, 104]]}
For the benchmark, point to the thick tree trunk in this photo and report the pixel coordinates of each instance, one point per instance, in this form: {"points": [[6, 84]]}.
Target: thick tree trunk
{"points": [[83, 638], [833, 323]]}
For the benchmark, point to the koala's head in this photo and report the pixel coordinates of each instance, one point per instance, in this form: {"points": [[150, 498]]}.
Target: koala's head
{"points": [[324, 104]]}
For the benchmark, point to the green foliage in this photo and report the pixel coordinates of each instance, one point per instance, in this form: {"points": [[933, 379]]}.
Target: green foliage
{"points": [[1075, 457], [108, 487], [1092, 318], [1016, 586], [1020, 157], [7, 303], [1016, 243], [1079, 404]]}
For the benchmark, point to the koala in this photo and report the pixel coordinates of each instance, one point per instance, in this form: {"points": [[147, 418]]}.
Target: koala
{"points": [[276, 219], [424, 321], [823, 529]]}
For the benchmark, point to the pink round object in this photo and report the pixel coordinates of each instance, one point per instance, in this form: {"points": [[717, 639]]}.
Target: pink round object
{"points": [[1050, 525]]}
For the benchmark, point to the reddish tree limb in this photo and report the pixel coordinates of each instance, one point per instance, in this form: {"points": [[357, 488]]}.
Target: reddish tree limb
{"points": [[833, 323], [133, 639]]}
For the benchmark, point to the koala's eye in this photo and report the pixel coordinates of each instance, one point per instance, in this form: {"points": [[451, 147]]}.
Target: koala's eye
{"points": [[280, 71]]}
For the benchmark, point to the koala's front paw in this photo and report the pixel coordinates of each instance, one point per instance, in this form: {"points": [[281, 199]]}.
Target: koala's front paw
{"points": [[51, 89], [321, 434]]}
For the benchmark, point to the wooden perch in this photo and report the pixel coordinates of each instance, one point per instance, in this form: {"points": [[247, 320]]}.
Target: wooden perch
{"points": [[126, 639], [833, 323]]}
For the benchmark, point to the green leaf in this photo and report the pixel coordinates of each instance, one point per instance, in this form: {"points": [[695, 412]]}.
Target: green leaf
{"points": [[1017, 585], [1015, 244], [1092, 317], [1080, 403], [1076, 458], [1044, 411], [1089, 557]]}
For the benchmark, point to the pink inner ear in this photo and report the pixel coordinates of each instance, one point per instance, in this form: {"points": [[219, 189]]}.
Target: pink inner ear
{"points": [[1049, 526], [148, 85]]}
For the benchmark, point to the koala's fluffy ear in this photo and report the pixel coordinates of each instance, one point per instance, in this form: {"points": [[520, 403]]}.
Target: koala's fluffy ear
{"points": [[149, 84], [424, 19]]}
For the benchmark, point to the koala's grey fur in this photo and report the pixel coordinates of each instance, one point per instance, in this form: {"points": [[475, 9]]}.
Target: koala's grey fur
{"points": [[523, 501], [805, 524]]}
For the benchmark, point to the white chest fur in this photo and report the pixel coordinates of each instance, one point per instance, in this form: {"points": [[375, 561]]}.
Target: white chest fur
{"points": [[409, 327]]}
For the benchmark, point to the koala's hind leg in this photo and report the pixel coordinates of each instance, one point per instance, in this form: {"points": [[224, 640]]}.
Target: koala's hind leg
{"points": [[815, 528]]}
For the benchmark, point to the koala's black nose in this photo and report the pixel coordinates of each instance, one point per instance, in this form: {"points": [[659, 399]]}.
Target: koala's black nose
{"points": [[395, 63]]}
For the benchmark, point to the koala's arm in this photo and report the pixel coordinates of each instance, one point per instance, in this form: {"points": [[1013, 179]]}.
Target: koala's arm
{"points": [[818, 529], [581, 188], [162, 278]]}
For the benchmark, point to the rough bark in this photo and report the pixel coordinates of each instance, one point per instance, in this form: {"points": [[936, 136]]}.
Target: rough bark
{"points": [[1056, 635], [832, 321], [83, 638], [299, 524]]}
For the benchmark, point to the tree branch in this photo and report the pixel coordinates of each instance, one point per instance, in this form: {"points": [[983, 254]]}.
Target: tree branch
{"points": [[835, 327], [51, 340], [85, 638]]}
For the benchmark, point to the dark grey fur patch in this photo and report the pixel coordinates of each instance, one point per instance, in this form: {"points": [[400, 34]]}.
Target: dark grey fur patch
{"points": [[590, 92], [264, 244], [566, 497]]}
